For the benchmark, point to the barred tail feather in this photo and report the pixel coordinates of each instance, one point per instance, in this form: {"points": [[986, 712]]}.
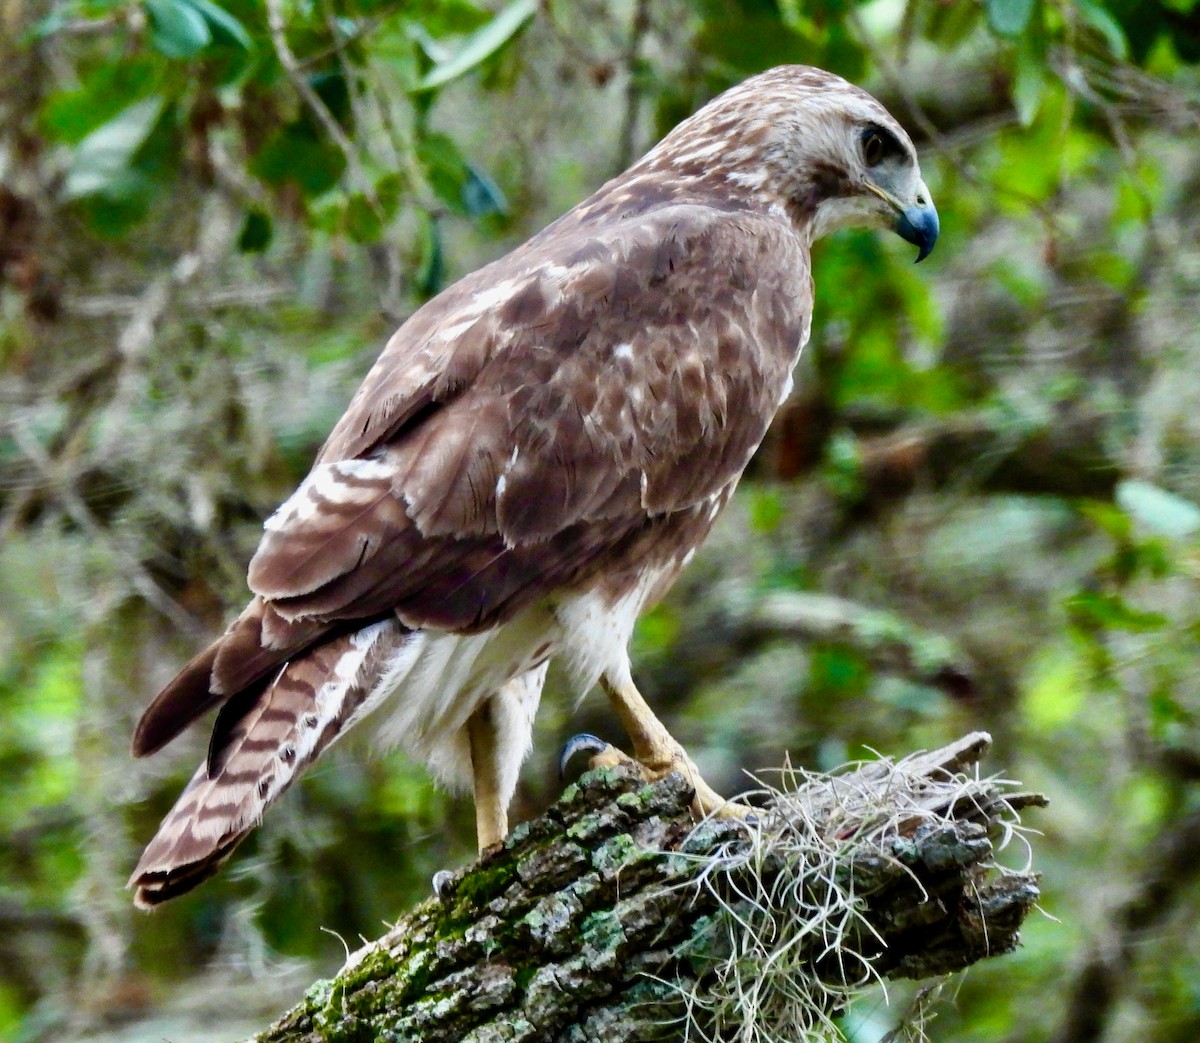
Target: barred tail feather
{"points": [[256, 756], [256, 644]]}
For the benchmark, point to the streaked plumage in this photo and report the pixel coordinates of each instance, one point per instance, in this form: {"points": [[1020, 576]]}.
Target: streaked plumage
{"points": [[536, 454]]}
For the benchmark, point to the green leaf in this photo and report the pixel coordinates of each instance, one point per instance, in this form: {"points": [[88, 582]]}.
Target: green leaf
{"points": [[389, 190], [433, 48], [1111, 520], [840, 671], [1030, 75], [1159, 510], [658, 629], [293, 155], [1145, 802], [480, 45], [225, 28], [759, 39], [431, 276], [327, 213], [363, 223], [102, 93], [1106, 25], [481, 195], [445, 169], [949, 25], [103, 159], [256, 232], [1112, 612], [177, 28], [334, 91], [1009, 17]]}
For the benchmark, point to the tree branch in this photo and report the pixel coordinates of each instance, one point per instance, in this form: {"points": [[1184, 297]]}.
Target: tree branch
{"points": [[277, 25], [614, 917], [632, 59], [1065, 453]]}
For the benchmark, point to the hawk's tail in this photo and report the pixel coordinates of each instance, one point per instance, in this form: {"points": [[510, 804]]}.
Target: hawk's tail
{"points": [[264, 739]]}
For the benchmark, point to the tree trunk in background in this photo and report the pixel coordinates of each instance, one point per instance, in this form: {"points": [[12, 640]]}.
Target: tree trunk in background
{"points": [[613, 916]]}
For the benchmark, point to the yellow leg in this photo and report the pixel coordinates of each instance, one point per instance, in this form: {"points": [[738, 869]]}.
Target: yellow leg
{"points": [[491, 816], [656, 749]]}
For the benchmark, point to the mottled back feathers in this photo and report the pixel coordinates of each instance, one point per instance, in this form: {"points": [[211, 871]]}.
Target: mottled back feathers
{"points": [[601, 396]]}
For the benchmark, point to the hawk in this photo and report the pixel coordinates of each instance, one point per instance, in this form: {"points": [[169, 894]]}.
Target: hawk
{"points": [[534, 457]]}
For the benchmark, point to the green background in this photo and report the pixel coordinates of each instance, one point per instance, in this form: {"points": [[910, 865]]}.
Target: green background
{"points": [[979, 509]]}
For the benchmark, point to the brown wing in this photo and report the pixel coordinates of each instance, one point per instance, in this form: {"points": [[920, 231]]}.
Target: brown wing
{"points": [[620, 377], [540, 419]]}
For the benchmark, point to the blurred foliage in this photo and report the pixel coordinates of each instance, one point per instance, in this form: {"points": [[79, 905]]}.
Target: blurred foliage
{"points": [[212, 214]]}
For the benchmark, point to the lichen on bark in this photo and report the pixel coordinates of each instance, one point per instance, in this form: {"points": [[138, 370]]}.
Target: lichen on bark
{"points": [[615, 916]]}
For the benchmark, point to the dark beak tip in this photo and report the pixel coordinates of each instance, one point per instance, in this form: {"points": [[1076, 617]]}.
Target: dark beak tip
{"points": [[919, 226]]}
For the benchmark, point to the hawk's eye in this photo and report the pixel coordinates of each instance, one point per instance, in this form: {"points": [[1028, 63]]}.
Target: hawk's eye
{"points": [[879, 144], [874, 148]]}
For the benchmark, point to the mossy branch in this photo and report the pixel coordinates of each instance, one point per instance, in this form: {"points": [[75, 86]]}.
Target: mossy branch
{"points": [[615, 917]]}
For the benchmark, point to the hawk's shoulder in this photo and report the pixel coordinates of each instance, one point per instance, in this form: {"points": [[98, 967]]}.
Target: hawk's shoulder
{"points": [[581, 274]]}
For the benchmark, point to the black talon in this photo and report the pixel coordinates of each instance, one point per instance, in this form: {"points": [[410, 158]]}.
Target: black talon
{"points": [[584, 741], [441, 883]]}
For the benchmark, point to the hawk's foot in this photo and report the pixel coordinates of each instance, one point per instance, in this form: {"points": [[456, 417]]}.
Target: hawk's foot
{"points": [[671, 757]]}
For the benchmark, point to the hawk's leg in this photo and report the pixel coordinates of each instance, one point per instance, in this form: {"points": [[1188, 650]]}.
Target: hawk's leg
{"points": [[491, 807], [656, 749]]}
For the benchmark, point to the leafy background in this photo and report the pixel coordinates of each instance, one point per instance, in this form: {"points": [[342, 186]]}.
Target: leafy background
{"points": [[979, 509]]}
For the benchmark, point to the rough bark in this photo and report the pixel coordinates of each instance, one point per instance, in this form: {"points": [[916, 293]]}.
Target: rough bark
{"points": [[597, 919]]}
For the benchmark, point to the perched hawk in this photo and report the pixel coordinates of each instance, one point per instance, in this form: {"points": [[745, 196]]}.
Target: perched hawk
{"points": [[536, 454]]}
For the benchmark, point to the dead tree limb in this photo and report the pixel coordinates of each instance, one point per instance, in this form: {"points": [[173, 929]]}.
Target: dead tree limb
{"points": [[615, 917]]}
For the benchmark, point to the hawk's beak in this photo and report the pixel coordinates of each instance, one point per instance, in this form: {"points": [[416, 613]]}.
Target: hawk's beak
{"points": [[918, 224]]}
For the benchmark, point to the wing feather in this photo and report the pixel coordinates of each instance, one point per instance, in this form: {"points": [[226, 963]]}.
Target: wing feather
{"points": [[583, 406], [534, 427]]}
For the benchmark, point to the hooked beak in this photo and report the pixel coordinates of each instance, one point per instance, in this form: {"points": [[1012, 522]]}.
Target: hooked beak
{"points": [[917, 224]]}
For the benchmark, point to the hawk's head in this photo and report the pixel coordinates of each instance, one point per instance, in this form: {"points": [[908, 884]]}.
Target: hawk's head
{"points": [[808, 141]]}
